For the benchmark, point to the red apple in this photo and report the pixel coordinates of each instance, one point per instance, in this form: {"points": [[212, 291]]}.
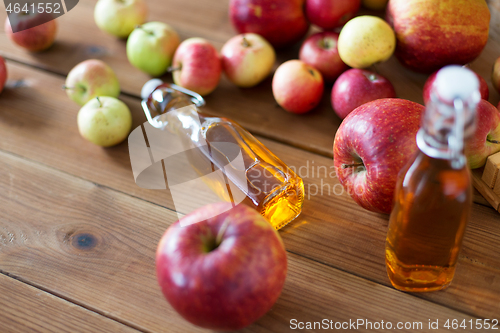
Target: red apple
{"points": [[196, 66], [280, 22], [483, 87], [330, 14], [486, 138], [356, 87], [37, 37], [371, 146], [297, 87], [224, 268], [3, 73], [495, 75], [247, 59], [320, 51], [431, 34]]}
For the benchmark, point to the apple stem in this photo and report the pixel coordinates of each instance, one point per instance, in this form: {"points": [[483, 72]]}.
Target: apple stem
{"points": [[345, 166], [245, 42], [146, 31], [100, 104], [326, 44], [221, 232], [173, 69], [493, 141]]}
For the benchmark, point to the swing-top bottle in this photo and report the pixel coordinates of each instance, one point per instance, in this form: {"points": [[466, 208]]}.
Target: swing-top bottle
{"points": [[434, 193]]}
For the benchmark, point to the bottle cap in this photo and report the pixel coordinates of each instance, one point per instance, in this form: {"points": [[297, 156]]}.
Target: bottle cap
{"points": [[456, 82]]}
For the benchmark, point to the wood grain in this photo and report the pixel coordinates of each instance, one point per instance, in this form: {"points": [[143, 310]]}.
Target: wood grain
{"points": [[28, 309], [38, 122], [96, 246]]}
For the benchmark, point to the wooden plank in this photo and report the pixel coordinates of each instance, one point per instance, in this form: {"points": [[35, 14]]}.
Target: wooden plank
{"points": [[491, 170], [483, 188], [38, 122], [255, 108], [46, 213], [28, 309]]}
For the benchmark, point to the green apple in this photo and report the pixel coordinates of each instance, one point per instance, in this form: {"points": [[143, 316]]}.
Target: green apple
{"points": [[151, 46], [89, 79], [366, 40], [120, 17], [104, 121]]}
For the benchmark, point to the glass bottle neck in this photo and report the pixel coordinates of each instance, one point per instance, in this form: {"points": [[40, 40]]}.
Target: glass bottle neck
{"points": [[445, 127], [166, 98]]}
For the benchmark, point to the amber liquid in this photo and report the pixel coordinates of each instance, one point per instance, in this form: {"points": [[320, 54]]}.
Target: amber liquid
{"points": [[268, 184], [427, 224]]}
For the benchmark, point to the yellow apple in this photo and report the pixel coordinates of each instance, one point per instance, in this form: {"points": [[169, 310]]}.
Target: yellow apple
{"points": [[120, 17], [366, 40], [104, 121]]}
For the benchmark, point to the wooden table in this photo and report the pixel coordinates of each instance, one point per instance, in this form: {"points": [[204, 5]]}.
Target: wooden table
{"points": [[78, 236]]}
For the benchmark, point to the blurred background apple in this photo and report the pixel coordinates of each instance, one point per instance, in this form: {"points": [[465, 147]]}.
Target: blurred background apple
{"points": [[483, 87], [297, 87], [247, 59], [366, 40], [280, 22], [120, 17], [356, 87], [495, 75], [432, 34], [35, 39], [320, 51], [89, 79], [486, 138], [151, 46], [197, 66], [330, 14]]}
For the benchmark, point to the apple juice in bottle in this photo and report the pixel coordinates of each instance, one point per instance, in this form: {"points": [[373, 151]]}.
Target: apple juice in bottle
{"points": [[434, 194], [268, 184]]}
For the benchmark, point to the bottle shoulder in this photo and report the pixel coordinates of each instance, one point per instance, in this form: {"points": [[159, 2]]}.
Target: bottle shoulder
{"points": [[427, 176]]}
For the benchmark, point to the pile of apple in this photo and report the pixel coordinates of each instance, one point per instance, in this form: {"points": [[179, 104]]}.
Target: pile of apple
{"points": [[377, 136]]}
